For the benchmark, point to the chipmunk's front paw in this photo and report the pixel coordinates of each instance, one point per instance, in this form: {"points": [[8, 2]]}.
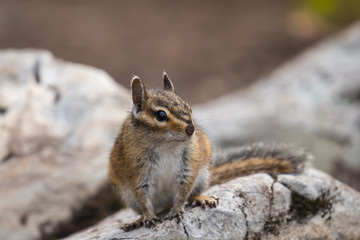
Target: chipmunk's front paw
{"points": [[142, 221], [151, 222], [179, 215], [134, 225], [202, 201]]}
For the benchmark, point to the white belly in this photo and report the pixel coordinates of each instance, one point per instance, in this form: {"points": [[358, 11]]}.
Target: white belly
{"points": [[164, 182]]}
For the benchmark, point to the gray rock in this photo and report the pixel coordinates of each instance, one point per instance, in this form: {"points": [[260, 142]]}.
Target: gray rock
{"points": [[311, 205], [58, 121], [312, 102]]}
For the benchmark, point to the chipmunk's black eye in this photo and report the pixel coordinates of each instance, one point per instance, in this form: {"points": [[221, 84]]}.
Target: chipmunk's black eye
{"points": [[161, 116]]}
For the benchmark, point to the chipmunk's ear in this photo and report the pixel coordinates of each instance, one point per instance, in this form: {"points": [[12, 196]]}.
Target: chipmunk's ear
{"points": [[138, 92], [168, 86]]}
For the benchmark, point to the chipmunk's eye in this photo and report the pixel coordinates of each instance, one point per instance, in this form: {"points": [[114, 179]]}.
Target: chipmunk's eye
{"points": [[161, 116]]}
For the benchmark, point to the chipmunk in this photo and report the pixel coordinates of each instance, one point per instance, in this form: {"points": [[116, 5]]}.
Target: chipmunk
{"points": [[161, 159]]}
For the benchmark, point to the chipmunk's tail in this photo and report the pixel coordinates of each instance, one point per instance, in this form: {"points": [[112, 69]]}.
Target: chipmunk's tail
{"points": [[256, 158]]}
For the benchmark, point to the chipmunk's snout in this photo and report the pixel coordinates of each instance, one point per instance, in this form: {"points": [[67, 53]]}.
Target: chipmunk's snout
{"points": [[190, 129]]}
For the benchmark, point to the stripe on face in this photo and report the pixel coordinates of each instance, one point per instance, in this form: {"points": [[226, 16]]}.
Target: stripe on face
{"points": [[177, 111], [173, 104]]}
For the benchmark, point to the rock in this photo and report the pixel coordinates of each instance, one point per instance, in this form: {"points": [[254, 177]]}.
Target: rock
{"points": [[311, 205], [58, 121], [312, 102]]}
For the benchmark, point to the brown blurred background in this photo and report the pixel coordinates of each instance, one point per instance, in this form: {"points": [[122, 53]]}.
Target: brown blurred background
{"points": [[207, 47]]}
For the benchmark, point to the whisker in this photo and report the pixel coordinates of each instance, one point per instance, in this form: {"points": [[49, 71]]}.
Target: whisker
{"points": [[202, 120], [197, 120]]}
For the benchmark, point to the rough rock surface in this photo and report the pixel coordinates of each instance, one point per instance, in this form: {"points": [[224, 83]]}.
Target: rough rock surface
{"points": [[311, 205], [57, 123], [311, 102]]}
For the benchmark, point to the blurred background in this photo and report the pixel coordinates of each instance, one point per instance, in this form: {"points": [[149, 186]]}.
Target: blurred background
{"points": [[207, 47]]}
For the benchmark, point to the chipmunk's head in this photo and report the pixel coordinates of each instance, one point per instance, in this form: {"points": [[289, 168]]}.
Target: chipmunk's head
{"points": [[162, 112]]}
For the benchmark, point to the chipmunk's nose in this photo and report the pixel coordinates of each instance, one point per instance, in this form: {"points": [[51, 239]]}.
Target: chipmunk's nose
{"points": [[190, 129]]}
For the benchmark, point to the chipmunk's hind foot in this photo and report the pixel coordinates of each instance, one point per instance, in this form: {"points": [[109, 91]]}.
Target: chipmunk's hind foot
{"points": [[211, 201]]}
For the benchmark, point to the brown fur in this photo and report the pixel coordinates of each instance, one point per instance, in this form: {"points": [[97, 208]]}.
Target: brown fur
{"points": [[231, 170]]}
